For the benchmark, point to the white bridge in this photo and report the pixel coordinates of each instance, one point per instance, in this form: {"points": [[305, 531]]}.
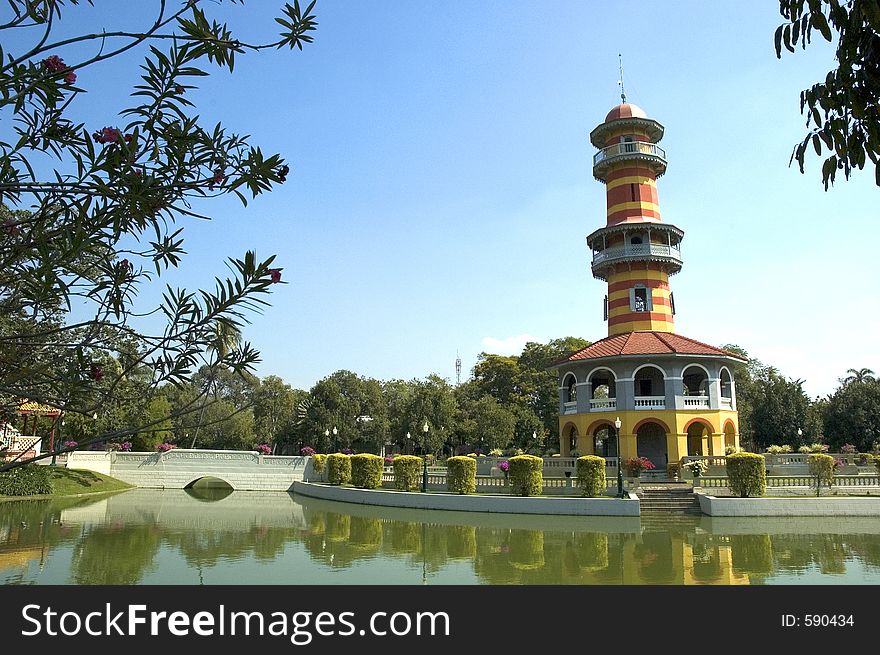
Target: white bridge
{"points": [[180, 468]]}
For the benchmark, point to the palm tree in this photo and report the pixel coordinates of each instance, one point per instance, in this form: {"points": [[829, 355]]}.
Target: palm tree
{"points": [[859, 376], [227, 337]]}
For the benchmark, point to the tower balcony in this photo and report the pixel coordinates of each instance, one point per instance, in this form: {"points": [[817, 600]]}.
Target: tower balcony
{"points": [[641, 151], [661, 252]]}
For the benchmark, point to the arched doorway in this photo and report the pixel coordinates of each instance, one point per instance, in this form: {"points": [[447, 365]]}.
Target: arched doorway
{"points": [[569, 440], [651, 443], [729, 435], [604, 442], [698, 440]]}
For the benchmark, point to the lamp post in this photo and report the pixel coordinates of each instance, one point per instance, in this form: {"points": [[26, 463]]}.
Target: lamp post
{"points": [[425, 458], [620, 493], [409, 442], [335, 439], [327, 436]]}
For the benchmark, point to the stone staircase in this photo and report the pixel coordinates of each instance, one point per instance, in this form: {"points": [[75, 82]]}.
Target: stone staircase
{"points": [[668, 499]]}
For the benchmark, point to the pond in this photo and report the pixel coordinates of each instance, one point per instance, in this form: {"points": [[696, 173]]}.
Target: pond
{"points": [[211, 536]]}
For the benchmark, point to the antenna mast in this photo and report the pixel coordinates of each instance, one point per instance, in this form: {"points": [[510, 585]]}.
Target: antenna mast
{"points": [[620, 81], [457, 368]]}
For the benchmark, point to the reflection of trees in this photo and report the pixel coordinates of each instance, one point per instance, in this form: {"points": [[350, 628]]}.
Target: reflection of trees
{"points": [[115, 555], [207, 548], [706, 562], [337, 527], [526, 549], [654, 558], [491, 563], [365, 534], [590, 551], [461, 541], [405, 537], [751, 553]]}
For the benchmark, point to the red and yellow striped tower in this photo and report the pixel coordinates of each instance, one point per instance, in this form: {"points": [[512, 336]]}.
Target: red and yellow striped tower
{"points": [[635, 252]]}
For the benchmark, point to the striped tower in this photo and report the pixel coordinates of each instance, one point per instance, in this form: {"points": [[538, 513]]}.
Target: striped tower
{"points": [[635, 252]]}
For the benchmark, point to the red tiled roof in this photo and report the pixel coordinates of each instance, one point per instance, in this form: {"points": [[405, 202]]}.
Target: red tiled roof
{"points": [[626, 110], [647, 343]]}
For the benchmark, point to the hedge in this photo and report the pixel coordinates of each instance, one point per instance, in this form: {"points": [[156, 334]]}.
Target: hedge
{"points": [[461, 475], [318, 462], [338, 468], [29, 480], [407, 469], [526, 475], [591, 475], [746, 474], [366, 470], [822, 467]]}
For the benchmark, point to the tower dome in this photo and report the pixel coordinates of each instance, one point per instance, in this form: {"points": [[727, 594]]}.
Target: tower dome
{"points": [[625, 110]]}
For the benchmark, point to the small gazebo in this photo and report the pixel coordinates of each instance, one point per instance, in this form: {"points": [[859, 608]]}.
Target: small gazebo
{"points": [[25, 442]]}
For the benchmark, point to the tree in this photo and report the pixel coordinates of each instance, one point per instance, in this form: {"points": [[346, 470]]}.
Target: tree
{"points": [[105, 204], [488, 423], [843, 112], [780, 408], [852, 415], [858, 376]]}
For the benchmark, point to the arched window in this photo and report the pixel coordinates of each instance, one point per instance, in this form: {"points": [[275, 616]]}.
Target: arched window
{"points": [[696, 381], [570, 388]]}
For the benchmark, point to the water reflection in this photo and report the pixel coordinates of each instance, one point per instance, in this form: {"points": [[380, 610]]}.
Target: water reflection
{"points": [[214, 536]]}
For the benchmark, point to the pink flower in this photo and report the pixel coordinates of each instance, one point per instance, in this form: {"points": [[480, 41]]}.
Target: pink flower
{"points": [[179, 89], [107, 135], [219, 177], [96, 372], [54, 64], [275, 273]]}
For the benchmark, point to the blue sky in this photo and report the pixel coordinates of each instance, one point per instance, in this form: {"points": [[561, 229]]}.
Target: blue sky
{"points": [[441, 185]]}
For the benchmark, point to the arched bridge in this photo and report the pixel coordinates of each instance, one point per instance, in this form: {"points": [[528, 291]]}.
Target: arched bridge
{"points": [[180, 468]]}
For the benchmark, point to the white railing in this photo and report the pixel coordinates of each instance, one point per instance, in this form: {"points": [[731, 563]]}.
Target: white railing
{"points": [[569, 408], [726, 402], [650, 402], [602, 404], [629, 148], [693, 402], [637, 250]]}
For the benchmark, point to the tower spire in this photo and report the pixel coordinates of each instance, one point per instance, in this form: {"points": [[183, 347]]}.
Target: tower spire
{"points": [[620, 81]]}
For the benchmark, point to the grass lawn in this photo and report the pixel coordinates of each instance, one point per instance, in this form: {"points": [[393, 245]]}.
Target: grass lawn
{"points": [[69, 482]]}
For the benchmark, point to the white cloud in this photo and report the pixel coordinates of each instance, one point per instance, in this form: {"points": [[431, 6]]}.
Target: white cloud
{"points": [[508, 346]]}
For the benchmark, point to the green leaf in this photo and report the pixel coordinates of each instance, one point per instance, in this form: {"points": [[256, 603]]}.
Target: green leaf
{"points": [[817, 145], [821, 24]]}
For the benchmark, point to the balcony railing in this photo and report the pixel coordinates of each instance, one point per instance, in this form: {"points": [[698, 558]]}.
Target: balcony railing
{"points": [[692, 402], [726, 402], [650, 402], [629, 148], [570, 408], [638, 250], [603, 404]]}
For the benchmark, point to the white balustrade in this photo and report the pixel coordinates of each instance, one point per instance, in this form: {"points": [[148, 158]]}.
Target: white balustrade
{"points": [[569, 408], [603, 404], [638, 250], [629, 148], [650, 402], [693, 402]]}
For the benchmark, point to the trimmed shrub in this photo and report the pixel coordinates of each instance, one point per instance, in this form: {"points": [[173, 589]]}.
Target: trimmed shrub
{"points": [[591, 475], [366, 471], [746, 474], [318, 462], [30, 480], [461, 475], [822, 467], [526, 475], [338, 468], [407, 469], [865, 459]]}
